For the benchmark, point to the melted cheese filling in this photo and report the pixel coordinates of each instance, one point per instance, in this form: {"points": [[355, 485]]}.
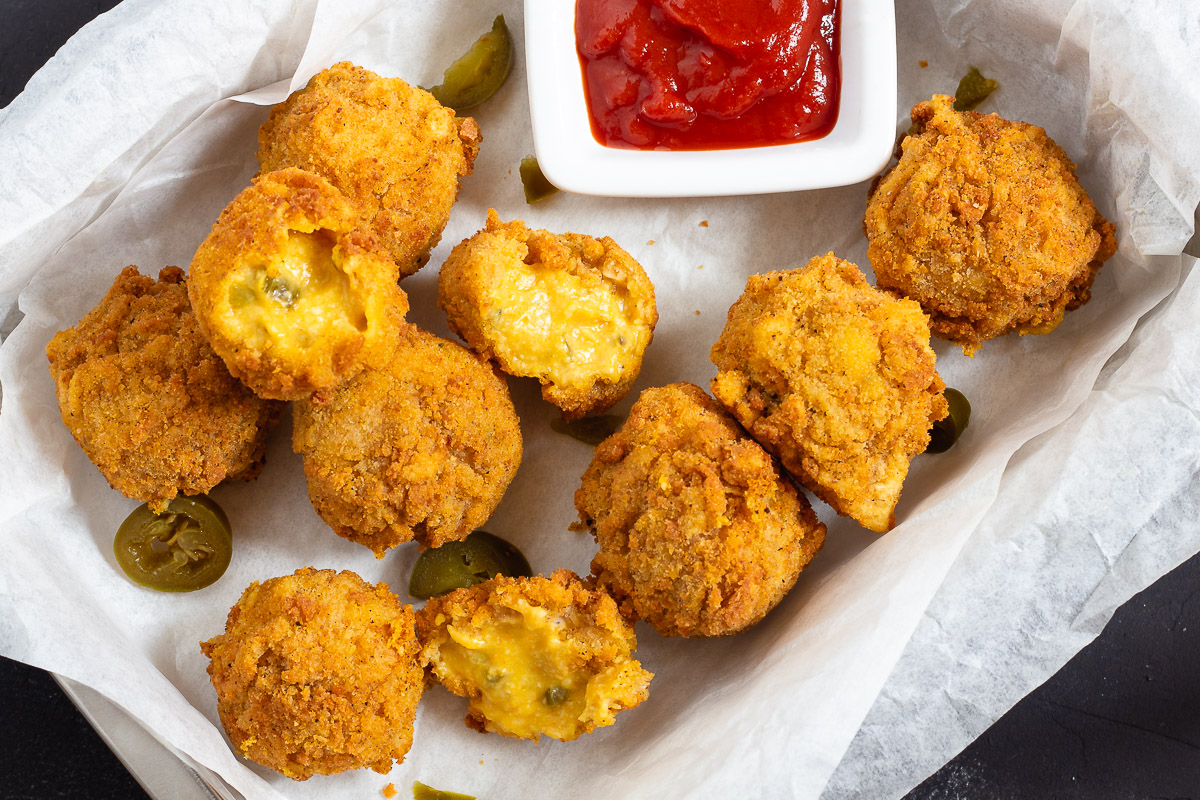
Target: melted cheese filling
{"points": [[529, 680], [557, 326], [294, 302]]}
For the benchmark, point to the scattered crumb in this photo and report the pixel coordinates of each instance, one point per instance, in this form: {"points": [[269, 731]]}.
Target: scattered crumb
{"points": [[650, 242], [923, 63], [700, 267], [697, 312], [703, 223], [481, 762], [389, 791]]}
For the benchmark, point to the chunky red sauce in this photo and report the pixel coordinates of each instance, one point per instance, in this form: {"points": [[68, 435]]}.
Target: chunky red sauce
{"points": [[708, 74]]}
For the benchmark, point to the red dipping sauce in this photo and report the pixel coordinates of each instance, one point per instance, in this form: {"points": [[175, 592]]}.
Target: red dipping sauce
{"points": [[708, 74]]}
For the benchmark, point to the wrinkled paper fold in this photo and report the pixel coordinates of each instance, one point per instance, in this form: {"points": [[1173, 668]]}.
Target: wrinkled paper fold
{"points": [[1012, 550]]}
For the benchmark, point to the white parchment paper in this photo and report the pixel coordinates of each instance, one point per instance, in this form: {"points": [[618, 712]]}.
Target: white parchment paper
{"points": [[1012, 549]]}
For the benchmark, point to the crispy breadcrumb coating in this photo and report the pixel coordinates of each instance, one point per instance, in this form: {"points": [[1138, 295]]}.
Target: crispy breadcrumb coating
{"points": [[576, 313], [390, 147], [700, 534], [535, 656], [317, 673], [984, 224], [423, 448], [149, 401], [291, 292], [835, 378]]}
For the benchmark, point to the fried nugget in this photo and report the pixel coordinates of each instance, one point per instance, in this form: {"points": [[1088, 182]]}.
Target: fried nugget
{"points": [[574, 312], [835, 378], [149, 401], [291, 292], [699, 532], [984, 224], [535, 656], [390, 147], [317, 673], [423, 448]]}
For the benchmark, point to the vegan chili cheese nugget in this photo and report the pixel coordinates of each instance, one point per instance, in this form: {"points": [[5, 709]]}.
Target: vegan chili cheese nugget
{"points": [[576, 313], [835, 378], [149, 401], [291, 292], [391, 148], [700, 534], [422, 448], [316, 673], [984, 224], [535, 656]]}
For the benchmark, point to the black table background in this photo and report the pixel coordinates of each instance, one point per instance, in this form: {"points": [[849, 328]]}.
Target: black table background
{"points": [[1121, 720]]}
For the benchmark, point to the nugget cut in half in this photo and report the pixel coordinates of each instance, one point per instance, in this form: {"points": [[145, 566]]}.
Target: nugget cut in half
{"points": [[391, 148], [422, 448], [149, 401], [984, 224], [576, 313], [290, 292], [835, 378], [535, 656], [317, 673], [699, 532]]}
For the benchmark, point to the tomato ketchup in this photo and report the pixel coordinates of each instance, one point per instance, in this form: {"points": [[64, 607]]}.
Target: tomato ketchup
{"points": [[708, 74]]}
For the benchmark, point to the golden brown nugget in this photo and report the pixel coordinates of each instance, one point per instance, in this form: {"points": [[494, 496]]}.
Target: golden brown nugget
{"points": [[317, 673], [576, 313], [835, 378], [390, 147], [535, 656], [699, 532], [984, 224], [149, 401], [423, 448], [291, 292]]}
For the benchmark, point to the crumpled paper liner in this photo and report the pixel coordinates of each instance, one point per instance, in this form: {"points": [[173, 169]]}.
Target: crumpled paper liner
{"points": [[127, 145]]}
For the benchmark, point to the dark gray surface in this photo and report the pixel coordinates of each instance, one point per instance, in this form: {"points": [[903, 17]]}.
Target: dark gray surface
{"points": [[31, 31], [1121, 720], [49, 750]]}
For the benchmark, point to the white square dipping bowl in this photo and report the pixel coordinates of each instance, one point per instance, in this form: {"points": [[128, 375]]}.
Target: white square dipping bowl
{"points": [[857, 148]]}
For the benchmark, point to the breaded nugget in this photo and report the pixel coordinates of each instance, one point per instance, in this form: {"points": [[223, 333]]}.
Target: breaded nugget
{"points": [[535, 656], [699, 532], [423, 448], [574, 312], [291, 292], [984, 224], [390, 147], [835, 378], [317, 673], [149, 401]]}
